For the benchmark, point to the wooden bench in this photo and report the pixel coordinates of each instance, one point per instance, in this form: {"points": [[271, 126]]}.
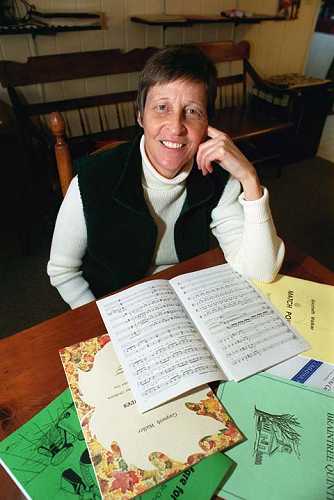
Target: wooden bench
{"points": [[90, 120]]}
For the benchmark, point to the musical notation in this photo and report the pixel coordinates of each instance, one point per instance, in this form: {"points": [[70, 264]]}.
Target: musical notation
{"points": [[238, 324], [157, 338], [172, 336]]}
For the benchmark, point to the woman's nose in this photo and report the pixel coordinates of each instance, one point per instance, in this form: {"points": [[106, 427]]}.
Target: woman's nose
{"points": [[176, 123]]}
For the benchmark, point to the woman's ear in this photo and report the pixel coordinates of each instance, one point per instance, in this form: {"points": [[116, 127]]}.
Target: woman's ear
{"points": [[139, 120]]}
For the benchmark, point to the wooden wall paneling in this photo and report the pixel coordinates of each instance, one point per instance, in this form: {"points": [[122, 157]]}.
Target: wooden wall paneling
{"points": [[289, 39], [236, 68], [272, 48], [153, 6], [88, 5], [95, 86], [215, 32], [135, 33], [214, 7], [175, 6], [44, 4], [116, 22], [116, 83], [15, 47], [45, 45], [133, 81], [107, 8], [225, 32], [193, 33], [271, 43], [19, 48], [74, 88], [73, 120], [91, 40], [266, 46], [92, 117], [62, 5], [68, 42], [53, 91], [224, 93], [154, 36], [209, 32], [259, 6], [175, 36], [297, 41], [129, 107], [32, 93]]}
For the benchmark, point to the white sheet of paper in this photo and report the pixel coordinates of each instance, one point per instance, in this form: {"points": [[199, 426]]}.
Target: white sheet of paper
{"points": [[162, 354], [240, 326], [306, 371]]}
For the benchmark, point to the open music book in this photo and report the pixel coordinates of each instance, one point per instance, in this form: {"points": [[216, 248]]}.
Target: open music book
{"points": [[172, 336]]}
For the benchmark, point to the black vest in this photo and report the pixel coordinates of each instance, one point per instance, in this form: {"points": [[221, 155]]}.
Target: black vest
{"points": [[121, 234]]}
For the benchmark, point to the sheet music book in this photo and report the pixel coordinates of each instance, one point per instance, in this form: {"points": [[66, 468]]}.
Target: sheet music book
{"points": [[309, 307], [47, 456], [130, 452], [289, 448], [213, 324]]}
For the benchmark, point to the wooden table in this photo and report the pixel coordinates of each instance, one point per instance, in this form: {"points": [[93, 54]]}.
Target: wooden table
{"points": [[31, 373]]}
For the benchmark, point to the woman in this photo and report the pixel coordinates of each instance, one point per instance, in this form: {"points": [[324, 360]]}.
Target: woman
{"points": [[148, 204]]}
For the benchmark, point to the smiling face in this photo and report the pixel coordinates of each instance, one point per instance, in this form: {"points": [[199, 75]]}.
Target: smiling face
{"points": [[175, 123]]}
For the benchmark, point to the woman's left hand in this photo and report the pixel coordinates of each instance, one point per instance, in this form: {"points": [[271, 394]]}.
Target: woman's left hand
{"points": [[221, 149]]}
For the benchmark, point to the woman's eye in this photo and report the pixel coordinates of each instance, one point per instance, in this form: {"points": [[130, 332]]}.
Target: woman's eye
{"points": [[161, 107], [194, 112]]}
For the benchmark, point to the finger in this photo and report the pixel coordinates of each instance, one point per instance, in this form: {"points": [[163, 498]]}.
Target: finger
{"points": [[216, 143], [200, 157], [218, 150], [214, 132], [203, 165], [207, 158]]}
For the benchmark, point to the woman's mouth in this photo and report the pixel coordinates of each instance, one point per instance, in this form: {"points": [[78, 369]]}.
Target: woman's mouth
{"points": [[172, 145]]}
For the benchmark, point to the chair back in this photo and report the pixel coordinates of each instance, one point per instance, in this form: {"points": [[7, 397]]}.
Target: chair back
{"points": [[111, 74]]}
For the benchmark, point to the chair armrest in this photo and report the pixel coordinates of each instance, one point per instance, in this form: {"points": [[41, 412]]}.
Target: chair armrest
{"points": [[62, 152], [261, 84]]}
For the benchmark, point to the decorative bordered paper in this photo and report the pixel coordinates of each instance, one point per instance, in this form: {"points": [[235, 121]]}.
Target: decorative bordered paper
{"points": [[118, 478]]}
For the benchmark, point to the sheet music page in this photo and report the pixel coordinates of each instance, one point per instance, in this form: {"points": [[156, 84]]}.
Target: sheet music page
{"points": [[162, 353], [241, 328]]}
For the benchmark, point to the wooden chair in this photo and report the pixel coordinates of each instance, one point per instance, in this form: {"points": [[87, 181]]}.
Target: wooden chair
{"points": [[88, 118], [62, 151], [261, 128]]}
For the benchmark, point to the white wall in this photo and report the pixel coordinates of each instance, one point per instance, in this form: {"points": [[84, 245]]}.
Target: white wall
{"points": [[276, 47], [320, 55]]}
